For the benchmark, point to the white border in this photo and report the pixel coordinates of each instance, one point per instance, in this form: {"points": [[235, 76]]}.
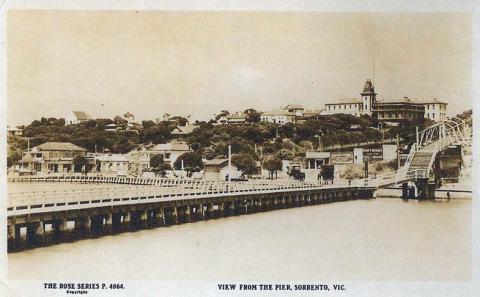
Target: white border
{"points": [[34, 288]]}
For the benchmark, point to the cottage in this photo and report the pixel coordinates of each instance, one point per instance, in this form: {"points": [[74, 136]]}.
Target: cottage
{"points": [[14, 131], [182, 132], [314, 159], [309, 114], [139, 161], [281, 116], [296, 109], [111, 128], [52, 157], [76, 117], [170, 151], [112, 163], [218, 169], [236, 118]]}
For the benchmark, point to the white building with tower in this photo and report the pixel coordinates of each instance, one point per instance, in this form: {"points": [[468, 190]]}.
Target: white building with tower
{"points": [[369, 98], [388, 110], [354, 106]]}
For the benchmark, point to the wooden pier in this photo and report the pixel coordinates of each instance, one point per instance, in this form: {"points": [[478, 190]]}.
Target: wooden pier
{"points": [[103, 211]]}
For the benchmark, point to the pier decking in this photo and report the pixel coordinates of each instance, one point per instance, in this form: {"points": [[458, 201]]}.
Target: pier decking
{"points": [[150, 203]]}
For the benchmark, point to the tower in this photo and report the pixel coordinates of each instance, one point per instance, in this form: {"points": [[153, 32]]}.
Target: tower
{"points": [[368, 98]]}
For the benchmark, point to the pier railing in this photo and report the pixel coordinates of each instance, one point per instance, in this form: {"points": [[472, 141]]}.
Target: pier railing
{"points": [[21, 203]]}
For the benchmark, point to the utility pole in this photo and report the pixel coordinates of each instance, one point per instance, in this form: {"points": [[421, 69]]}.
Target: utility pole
{"points": [[319, 141], [229, 163], [28, 143], [416, 137], [398, 152]]}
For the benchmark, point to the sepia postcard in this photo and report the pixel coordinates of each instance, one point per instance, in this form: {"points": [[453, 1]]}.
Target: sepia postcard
{"points": [[240, 148]]}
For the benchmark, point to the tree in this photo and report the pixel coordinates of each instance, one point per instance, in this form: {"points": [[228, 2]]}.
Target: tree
{"points": [[285, 154], [222, 113], [164, 167], [147, 124], [79, 162], [122, 145], [13, 158], [156, 161], [35, 123], [190, 160], [244, 162], [90, 124], [118, 120], [180, 121], [252, 116], [129, 116], [273, 164], [156, 134]]}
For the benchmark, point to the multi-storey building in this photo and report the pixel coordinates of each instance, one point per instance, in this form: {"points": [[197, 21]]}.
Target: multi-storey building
{"points": [[435, 110], [351, 106], [398, 111], [354, 106], [52, 157], [387, 111]]}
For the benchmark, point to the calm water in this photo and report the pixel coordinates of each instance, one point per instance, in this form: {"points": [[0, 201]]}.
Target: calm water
{"points": [[381, 239]]}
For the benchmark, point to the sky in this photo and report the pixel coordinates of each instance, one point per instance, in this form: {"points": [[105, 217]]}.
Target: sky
{"points": [[199, 63]]}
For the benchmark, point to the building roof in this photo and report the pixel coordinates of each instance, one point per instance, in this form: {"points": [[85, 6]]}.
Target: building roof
{"points": [[317, 155], [313, 111], [27, 158], [112, 158], [278, 112], [368, 88], [184, 130], [9, 128], [81, 115], [405, 100], [59, 146], [216, 162], [236, 116], [293, 107], [431, 101], [171, 146], [345, 101]]}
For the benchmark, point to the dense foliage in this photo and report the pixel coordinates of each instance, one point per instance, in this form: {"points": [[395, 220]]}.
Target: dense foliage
{"points": [[252, 141]]}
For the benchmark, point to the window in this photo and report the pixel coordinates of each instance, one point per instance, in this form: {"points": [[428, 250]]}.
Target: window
{"points": [[365, 107]]}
